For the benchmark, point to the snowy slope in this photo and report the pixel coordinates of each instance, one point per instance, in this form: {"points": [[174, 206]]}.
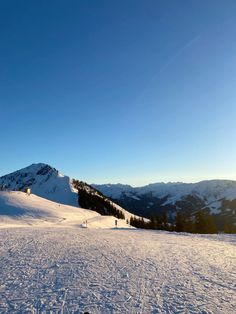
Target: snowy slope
{"points": [[47, 182], [44, 181], [113, 271], [17, 208]]}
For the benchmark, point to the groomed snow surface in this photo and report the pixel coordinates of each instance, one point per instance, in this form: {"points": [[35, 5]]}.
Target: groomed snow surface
{"points": [[50, 264], [73, 270], [20, 209]]}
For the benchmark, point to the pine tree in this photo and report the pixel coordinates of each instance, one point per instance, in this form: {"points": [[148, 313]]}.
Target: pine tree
{"points": [[179, 223], [204, 223], [229, 227]]}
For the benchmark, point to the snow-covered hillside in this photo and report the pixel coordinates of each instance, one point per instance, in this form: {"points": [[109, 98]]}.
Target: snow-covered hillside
{"points": [[216, 196], [71, 269], [47, 182], [19, 209], [112, 271], [44, 181]]}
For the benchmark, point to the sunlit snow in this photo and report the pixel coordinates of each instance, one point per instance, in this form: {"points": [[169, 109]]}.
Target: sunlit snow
{"points": [[73, 270]]}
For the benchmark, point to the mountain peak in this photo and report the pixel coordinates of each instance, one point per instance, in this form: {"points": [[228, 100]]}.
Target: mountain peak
{"points": [[44, 181], [35, 167]]}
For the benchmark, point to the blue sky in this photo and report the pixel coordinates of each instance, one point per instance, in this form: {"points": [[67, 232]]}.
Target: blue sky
{"points": [[119, 91]]}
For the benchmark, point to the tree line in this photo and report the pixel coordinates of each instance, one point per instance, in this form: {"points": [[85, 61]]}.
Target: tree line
{"points": [[90, 198], [200, 222]]}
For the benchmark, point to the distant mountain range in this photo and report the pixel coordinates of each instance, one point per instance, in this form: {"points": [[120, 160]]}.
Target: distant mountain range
{"points": [[217, 197]]}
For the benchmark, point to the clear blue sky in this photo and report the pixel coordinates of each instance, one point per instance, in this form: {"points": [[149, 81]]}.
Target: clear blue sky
{"points": [[119, 91]]}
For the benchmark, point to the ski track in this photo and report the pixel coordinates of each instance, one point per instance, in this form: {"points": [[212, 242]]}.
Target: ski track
{"points": [[71, 270]]}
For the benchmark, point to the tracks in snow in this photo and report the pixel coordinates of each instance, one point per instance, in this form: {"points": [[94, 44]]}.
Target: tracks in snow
{"points": [[114, 271]]}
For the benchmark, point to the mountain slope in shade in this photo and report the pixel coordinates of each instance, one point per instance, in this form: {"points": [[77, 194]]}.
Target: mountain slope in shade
{"points": [[44, 181]]}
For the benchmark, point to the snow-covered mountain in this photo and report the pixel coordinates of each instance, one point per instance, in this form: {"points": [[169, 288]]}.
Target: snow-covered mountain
{"points": [[44, 181], [48, 183], [216, 196], [210, 191]]}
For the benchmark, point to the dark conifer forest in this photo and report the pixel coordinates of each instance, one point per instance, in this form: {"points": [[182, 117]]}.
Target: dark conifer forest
{"points": [[90, 198]]}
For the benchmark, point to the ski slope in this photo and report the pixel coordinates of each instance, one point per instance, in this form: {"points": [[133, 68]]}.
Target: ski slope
{"points": [[73, 270], [20, 209], [48, 183]]}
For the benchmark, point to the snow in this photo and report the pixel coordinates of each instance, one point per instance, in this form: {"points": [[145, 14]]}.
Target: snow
{"points": [[19, 209], [44, 181], [51, 263], [127, 214], [56, 258], [135, 197], [113, 190], [73, 270], [211, 191]]}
